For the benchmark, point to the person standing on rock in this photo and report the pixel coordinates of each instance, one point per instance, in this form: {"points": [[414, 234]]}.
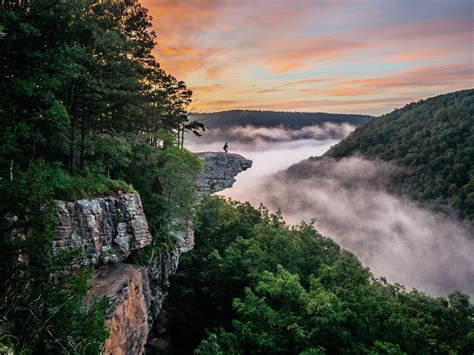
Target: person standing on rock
{"points": [[226, 147]]}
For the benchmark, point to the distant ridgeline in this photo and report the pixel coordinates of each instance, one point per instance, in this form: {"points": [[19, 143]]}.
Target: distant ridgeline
{"points": [[268, 119], [431, 140]]}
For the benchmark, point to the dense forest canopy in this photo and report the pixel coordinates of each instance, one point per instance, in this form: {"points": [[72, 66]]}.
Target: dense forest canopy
{"points": [[269, 119], [85, 106], [431, 140]]}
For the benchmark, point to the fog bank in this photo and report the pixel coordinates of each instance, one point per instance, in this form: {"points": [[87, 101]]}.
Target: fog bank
{"points": [[392, 235]]}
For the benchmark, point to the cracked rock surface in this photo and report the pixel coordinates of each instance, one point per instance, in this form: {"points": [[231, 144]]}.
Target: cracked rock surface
{"points": [[220, 171], [106, 229]]}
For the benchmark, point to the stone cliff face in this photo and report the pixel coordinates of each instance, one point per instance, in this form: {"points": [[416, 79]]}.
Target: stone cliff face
{"points": [[126, 286], [108, 229], [219, 173]]}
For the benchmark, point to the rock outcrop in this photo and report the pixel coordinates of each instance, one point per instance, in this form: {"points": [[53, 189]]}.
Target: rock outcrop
{"points": [[220, 171], [106, 229], [118, 224]]}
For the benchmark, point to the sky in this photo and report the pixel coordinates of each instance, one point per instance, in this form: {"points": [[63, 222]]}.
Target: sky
{"points": [[340, 56]]}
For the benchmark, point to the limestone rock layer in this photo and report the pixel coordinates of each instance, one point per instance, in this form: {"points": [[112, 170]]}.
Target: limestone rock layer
{"points": [[106, 230]]}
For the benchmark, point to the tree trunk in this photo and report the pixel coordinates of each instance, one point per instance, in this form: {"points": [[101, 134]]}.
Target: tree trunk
{"points": [[83, 133], [73, 143], [11, 170]]}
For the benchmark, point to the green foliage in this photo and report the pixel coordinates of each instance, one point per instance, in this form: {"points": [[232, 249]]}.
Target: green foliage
{"points": [[52, 317], [433, 139], [91, 184], [76, 75], [260, 286], [27, 207], [165, 179]]}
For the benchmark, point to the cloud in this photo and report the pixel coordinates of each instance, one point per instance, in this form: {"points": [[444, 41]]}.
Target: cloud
{"points": [[208, 88], [179, 24], [293, 55], [434, 76], [300, 85], [411, 55], [392, 235]]}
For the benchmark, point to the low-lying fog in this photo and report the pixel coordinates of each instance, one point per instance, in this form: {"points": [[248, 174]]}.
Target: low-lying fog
{"points": [[392, 235]]}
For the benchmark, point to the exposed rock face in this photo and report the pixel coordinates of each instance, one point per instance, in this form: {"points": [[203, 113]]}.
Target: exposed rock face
{"points": [[183, 231], [219, 174], [106, 229], [220, 171], [159, 272], [126, 286]]}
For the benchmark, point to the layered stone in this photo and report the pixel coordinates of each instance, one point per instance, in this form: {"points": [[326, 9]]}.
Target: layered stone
{"points": [[106, 230], [109, 229]]}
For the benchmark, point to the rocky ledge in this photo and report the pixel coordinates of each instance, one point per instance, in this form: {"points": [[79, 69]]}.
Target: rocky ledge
{"points": [[220, 171]]}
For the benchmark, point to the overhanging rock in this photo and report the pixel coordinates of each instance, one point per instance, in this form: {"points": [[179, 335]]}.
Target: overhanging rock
{"points": [[220, 171]]}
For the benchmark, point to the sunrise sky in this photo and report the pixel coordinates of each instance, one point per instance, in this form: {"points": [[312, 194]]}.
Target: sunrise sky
{"points": [[310, 55]]}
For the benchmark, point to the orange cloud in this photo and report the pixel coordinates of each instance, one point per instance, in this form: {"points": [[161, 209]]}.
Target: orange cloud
{"points": [[208, 88], [285, 56], [435, 76], [424, 54], [284, 67], [178, 24]]}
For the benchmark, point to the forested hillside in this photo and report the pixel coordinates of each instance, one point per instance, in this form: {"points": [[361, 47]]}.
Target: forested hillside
{"points": [[432, 140], [259, 286], [269, 119], [85, 111]]}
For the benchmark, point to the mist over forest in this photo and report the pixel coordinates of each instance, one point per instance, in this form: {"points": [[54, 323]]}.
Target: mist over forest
{"points": [[393, 235]]}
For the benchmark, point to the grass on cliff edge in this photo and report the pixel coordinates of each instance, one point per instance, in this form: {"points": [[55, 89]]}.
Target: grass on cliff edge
{"points": [[92, 184]]}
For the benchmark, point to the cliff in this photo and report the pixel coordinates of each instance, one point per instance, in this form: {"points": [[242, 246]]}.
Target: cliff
{"points": [[109, 229]]}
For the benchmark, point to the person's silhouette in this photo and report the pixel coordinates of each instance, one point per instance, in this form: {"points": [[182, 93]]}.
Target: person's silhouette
{"points": [[226, 147]]}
